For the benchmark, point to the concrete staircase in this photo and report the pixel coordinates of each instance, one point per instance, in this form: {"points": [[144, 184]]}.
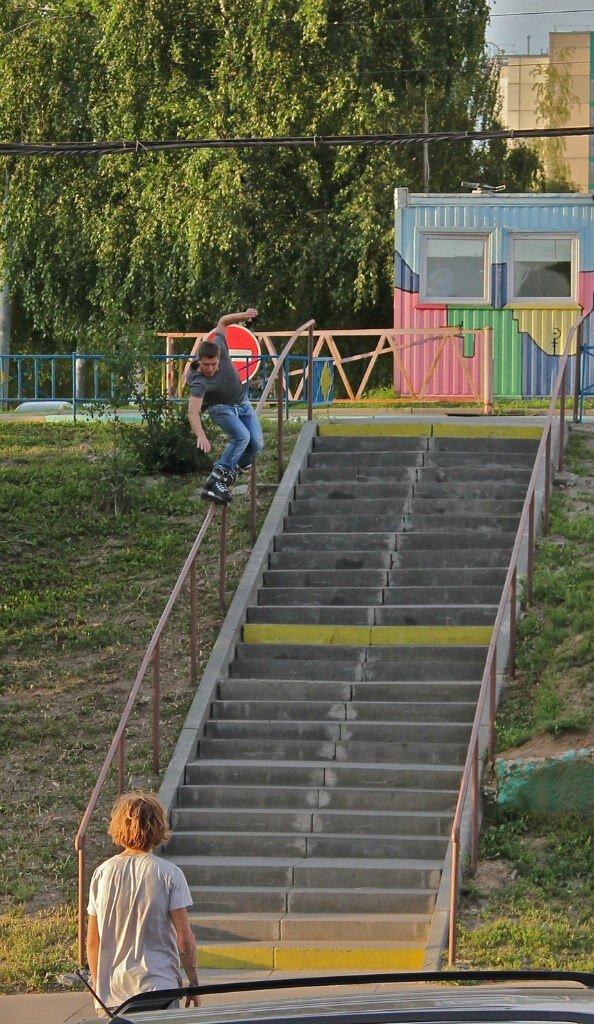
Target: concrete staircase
{"points": [[314, 814]]}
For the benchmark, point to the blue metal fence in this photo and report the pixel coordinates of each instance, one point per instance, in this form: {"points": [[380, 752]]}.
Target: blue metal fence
{"points": [[83, 378]]}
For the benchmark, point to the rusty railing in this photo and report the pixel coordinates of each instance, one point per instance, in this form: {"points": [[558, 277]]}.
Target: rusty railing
{"points": [[488, 691], [152, 654]]}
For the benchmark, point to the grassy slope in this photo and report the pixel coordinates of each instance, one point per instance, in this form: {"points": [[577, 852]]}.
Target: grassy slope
{"points": [[80, 593], [531, 903]]}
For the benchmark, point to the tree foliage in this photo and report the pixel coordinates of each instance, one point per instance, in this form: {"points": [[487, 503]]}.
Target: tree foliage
{"points": [[554, 96], [171, 240]]}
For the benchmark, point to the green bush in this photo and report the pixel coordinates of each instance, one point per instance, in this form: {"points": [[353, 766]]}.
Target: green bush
{"points": [[165, 442]]}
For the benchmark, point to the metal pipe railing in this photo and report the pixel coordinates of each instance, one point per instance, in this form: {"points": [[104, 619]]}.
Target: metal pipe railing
{"points": [[488, 690], [118, 742], [152, 655]]}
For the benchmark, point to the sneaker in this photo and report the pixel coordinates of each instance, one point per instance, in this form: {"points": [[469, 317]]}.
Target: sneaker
{"points": [[244, 469], [217, 491]]}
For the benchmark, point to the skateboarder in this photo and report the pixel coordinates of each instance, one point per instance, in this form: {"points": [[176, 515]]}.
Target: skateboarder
{"points": [[215, 388]]}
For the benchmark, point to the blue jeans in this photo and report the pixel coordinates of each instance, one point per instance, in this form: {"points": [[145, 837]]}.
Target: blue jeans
{"points": [[242, 427]]}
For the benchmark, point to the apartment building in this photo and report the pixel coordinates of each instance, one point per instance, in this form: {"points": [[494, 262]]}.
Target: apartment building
{"points": [[571, 52]]}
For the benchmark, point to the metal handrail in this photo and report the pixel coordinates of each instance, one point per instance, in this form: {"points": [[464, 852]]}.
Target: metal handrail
{"points": [[470, 774], [152, 653]]}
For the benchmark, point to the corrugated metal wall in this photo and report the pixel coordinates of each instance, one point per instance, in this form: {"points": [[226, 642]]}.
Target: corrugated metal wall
{"points": [[527, 342]]}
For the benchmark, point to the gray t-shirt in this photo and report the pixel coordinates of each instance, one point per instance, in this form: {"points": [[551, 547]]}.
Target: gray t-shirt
{"points": [[224, 387], [131, 896]]}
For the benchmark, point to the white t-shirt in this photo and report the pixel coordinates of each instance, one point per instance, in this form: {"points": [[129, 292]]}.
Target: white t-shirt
{"points": [[131, 896]]}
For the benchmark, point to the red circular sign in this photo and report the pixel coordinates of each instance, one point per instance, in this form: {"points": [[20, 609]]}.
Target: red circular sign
{"points": [[243, 346]]}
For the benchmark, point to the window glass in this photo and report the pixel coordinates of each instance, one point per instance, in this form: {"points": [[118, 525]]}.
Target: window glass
{"points": [[455, 268], [542, 268]]}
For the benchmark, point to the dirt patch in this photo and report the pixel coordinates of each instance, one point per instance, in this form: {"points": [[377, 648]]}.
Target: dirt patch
{"points": [[549, 746]]}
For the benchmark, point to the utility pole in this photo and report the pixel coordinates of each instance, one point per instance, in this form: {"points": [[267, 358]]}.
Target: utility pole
{"points": [[426, 151]]}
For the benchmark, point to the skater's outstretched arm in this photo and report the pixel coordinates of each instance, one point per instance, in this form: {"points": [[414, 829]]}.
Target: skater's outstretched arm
{"points": [[235, 318], [194, 407]]}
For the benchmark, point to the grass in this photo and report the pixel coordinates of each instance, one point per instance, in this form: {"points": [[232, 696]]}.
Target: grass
{"points": [[531, 903], [81, 591]]}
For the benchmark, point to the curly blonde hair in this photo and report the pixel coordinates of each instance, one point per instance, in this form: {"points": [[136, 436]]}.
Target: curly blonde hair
{"points": [[139, 821]]}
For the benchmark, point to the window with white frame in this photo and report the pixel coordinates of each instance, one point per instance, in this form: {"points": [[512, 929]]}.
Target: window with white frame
{"points": [[541, 267], [454, 268]]}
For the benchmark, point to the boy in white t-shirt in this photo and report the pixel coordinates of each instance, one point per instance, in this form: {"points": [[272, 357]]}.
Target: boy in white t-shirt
{"points": [[138, 922]]}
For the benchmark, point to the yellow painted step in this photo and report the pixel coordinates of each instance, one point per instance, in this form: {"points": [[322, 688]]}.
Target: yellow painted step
{"points": [[375, 429], [311, 956], [365, 636], [485, 430]]}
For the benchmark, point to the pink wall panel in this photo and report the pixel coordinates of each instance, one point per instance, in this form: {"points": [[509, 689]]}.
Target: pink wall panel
{"points": [[448, 379]]}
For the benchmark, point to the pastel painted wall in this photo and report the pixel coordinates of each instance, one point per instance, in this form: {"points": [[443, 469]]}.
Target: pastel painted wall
{"points": [[527, 340]]}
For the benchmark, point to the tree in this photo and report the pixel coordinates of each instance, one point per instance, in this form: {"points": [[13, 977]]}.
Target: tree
{"points": [[171, 240], [554, 95]]}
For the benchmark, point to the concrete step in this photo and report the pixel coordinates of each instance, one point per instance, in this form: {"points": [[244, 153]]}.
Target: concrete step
{"points": [[390, 671], [333, 711], [452, 540], [299, 845], [333, 560], [195, 824], [505, 526], [486, 460], [412, 556], [272, 689], [504, 445], [394, 615], [296, 797], [338, 732], [337, 873], [406, 655], [469, 577], [346, 524], [317, 596], [344, 475], [387, 445], [436, 470], [363, 506], [354, 490], [480, 490], [398, 899], [470, 506], [307, 927], [438, 595], [338, 464], [346, 775], [328, 750], [339, 542], [326, 578]]}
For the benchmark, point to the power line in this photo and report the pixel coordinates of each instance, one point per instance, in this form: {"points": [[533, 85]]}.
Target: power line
{"points": [[140, 147]]}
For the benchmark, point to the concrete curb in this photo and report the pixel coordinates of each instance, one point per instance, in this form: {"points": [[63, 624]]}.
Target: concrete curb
{"points": [[230, 634]]}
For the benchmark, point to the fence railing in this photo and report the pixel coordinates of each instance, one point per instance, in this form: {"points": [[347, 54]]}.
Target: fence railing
{"points": [[84, 379], [151, 657], [470, 782]]}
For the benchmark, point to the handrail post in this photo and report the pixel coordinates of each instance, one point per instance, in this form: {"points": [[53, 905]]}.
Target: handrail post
{"points": [[546, 512], [81, 903], [512, 625], [253, 502], [279, 423], [121, 765], [577, 376], [193, 615], [223, 556], [530, 564], [156, 704], [562, 420], [474, 823], [453, 923], [492, 699], [310, 341]]}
